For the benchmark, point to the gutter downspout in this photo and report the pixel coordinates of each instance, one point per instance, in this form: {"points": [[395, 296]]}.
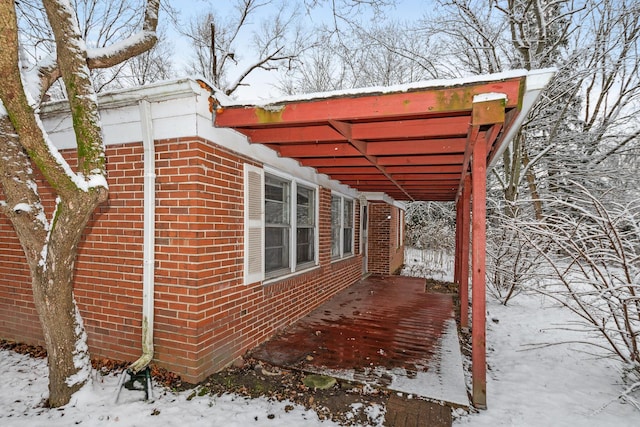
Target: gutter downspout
{"points": [[148, 271]]}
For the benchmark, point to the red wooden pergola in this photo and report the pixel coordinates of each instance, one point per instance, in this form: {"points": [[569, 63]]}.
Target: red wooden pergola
{"points": [[429, 141]]}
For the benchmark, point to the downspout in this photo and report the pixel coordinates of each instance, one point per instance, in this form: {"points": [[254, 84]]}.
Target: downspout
{"points": [[148, 268]]}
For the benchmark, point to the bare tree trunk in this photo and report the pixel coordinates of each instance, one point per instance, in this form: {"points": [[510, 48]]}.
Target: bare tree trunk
{"points": [[51, 246], [512, 166], [53, 294], [51, 251], [533, 186]]}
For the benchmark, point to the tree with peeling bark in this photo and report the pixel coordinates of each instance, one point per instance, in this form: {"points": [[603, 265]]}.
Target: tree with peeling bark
{"points": [[50, 239]]}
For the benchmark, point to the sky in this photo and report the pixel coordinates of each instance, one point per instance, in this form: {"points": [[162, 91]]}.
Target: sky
{"points": [[262, 82]]}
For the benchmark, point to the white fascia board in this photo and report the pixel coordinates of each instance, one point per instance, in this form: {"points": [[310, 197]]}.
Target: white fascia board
{"points": [[536, 82], [153, 92], [173, 105], [384, 197]]}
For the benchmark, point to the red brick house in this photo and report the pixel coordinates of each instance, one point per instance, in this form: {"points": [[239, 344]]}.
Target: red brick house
{"points": [[221, 228]]}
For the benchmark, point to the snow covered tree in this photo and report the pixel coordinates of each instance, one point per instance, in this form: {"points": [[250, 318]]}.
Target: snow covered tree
{"points": [[102, 24], [430, 225], [220, 43], [50, 239], [381, 54]]}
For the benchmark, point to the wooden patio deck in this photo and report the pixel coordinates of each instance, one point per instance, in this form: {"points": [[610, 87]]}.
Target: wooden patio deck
{"points": [[384, 331]]}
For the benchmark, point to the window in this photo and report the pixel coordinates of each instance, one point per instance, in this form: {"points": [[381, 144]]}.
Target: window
{"points": [[290, 225], [305, 225], [277, 224], [336, 209], [347, 227], [341, 226]]}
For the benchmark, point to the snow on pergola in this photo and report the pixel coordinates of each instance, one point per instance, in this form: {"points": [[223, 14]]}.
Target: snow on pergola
{"points": [[425, 141]]}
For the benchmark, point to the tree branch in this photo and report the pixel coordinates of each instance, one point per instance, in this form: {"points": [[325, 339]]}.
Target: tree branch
{"points": [[117, 53], [21, 113]]}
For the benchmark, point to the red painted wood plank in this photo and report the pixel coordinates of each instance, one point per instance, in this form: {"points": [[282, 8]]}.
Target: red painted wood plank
{"points": [[478, 314], [343, 170], [319, 150], [340, 161], [424, 169], [284, 135], [435, 146], [441, 127], [438, 159], [403, 177], [465, 225], [370, 106], [359, 178]]}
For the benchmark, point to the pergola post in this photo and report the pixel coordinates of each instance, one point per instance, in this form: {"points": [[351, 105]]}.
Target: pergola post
{"points": [[458, 249], [488, 112], [465, 225], [478, 247]]}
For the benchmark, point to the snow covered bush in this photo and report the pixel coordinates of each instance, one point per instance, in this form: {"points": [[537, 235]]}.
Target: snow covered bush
{"points": [[512, 263], [430, 225], [428, 263], [593, 249], [430, 240]]}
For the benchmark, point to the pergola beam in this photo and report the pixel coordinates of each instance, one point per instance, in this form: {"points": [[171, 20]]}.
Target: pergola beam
{"points": [[444, 101], [346, 130]]}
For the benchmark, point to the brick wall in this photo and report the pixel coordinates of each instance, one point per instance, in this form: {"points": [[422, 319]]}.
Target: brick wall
{"points": [[204, 316], [386, 253]]}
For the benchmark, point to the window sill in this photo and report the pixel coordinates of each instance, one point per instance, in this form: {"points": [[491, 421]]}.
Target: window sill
{"points": [[276, 279]]}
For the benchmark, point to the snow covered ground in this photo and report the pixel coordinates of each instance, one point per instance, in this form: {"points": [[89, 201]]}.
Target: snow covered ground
{"points": [[531, 382], [24, 387]]}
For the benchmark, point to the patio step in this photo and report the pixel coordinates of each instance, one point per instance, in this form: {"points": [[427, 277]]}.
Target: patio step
{"points": [[403, 412]]}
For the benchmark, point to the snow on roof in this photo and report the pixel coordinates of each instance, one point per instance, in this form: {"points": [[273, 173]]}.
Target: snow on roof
{"points": [[225, 101], [161, 90]]}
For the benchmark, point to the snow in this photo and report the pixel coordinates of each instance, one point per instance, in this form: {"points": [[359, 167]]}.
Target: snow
{"points": [[436, 264], [436, 83], [22, 207], [540, 373], [491, 96], [81, 359], [443, 380], [24, 387], [44, 252], [121, 46]]}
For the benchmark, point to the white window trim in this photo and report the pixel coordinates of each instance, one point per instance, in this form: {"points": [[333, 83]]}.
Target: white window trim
{"points": [[342, 254], [293, 268]]}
